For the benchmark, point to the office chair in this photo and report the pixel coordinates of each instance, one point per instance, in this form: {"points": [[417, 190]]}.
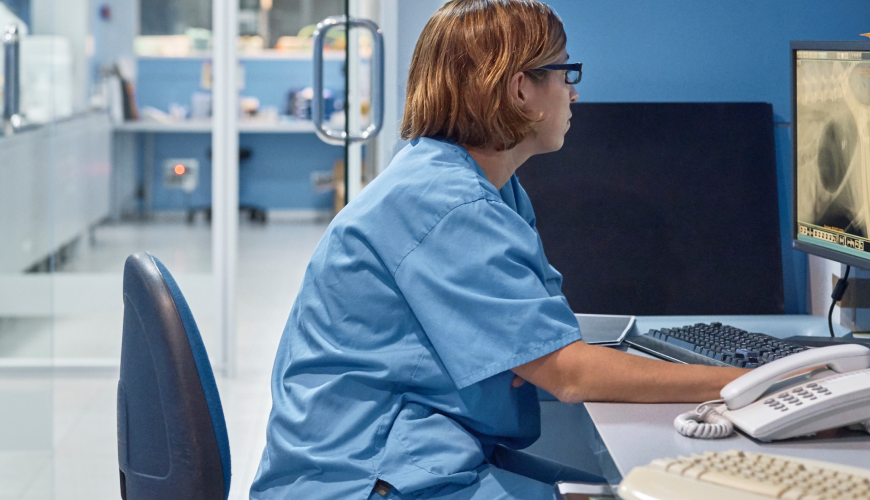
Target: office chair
{"points": [[172, 438], [256, 212]]}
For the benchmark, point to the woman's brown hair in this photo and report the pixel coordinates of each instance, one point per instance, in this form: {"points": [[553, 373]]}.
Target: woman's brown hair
{"points": [[462, 66]]}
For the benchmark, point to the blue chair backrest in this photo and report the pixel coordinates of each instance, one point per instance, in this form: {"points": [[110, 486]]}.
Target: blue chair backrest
{"points": [[172, 437]]}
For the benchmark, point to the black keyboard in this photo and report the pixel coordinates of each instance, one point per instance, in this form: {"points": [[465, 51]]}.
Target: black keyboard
{"points": [[714, 344]]}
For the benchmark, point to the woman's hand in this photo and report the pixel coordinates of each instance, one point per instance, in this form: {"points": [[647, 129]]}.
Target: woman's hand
{"points": [[517, 381]]}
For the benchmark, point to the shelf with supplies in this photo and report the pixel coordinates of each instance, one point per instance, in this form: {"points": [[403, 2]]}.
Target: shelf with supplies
{"points": [[204, 126]]}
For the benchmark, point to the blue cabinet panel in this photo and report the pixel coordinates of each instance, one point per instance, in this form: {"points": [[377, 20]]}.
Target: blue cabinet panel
{"points": [[277, 176], [278, 173]]}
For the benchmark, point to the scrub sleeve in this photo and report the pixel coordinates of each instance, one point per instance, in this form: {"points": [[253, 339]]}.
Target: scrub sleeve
{"points": [[476, 285]]}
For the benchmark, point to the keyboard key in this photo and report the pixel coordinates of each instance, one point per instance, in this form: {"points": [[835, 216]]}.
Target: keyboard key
{"points": [[746, 353], [661, 463], [694, 472], [743, 483], [793, 494], [680, 343]]}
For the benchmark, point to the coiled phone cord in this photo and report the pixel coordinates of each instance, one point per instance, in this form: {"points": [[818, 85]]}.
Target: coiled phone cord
{"points": [[704, 422]]}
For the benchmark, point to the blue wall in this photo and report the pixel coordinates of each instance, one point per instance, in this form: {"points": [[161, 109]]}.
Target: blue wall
{"points": [[278, 174], [697, 51], [164, 81]]}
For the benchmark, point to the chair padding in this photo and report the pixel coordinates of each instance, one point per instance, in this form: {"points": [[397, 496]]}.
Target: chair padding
{"points": [[172, 439]]}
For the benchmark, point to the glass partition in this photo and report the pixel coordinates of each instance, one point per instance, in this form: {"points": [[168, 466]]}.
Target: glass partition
{"points": [[118, 144], [25, 304], [26, 233], [92, 177], [88, 176]]}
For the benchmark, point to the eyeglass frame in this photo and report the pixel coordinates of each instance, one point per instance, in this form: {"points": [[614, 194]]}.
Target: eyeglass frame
{"points": [[578, 67]]}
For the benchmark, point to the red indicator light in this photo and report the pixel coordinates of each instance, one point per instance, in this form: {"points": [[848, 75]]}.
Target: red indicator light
{"points": [[179, 169]]}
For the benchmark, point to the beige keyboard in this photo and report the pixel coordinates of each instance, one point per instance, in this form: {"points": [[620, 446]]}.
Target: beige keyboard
{"points": [[739, 475]]}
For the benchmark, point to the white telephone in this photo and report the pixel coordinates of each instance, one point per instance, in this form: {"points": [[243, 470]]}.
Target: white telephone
{"points": [[766, 407]]}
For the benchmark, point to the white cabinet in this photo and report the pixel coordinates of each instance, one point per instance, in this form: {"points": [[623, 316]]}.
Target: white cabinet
{"points": [[54, 185]]}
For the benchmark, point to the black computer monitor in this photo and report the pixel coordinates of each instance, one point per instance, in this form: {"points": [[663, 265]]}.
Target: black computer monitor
{"points": [[663, 209], [831, 150]]}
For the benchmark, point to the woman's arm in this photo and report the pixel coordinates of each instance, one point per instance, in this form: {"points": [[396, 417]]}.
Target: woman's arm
{"points": [[581, 372]]}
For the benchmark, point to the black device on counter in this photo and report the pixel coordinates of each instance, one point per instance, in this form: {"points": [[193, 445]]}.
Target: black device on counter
{"points": [[714, 344]]}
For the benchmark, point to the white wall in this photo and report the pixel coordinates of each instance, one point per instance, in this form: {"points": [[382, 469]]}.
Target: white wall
{"points": [[114, 38], [69, 19], [412, 18], [94, 42]]}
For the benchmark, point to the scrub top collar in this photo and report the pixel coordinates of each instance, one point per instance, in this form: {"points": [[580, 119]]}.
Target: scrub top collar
{"points": [[470, 159]]}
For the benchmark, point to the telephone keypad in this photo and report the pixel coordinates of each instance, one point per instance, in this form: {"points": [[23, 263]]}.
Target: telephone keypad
{"points": [[808, 393], [783, 400]]}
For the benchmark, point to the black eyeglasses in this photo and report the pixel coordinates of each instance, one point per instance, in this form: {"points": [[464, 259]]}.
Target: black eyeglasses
{"points": [[573, 71]]}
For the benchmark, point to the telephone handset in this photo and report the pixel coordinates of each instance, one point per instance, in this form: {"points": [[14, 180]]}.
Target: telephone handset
{"points": [[768, 408]]}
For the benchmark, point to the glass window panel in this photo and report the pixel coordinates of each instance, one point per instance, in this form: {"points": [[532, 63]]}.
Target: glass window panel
{"points": [[178, 26]]}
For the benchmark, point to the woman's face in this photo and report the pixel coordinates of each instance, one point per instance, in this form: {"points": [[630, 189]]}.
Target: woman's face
{"points": [[551, 99]]}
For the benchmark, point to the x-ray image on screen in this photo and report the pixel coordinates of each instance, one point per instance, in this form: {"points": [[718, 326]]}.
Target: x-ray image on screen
{"points": [[833, 146]]}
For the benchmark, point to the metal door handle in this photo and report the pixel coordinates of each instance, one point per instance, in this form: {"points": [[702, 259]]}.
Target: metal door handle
{"points": [[341, 137], [12, 77]]}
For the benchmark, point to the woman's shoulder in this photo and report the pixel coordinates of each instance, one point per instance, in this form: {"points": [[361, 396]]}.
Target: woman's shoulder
{"points": [[431, 174], [425, 182]]}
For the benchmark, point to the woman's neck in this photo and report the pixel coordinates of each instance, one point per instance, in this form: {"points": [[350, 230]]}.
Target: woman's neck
{"points": [[499, 166]]}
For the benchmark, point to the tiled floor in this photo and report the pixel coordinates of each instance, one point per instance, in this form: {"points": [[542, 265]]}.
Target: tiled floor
{"points": [[57, 434]]}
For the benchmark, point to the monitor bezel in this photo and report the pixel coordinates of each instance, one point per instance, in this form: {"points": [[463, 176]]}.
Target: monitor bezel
{"points": [[844, 46]]}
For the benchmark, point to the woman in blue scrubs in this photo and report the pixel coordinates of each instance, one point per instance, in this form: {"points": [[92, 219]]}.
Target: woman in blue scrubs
{"points": [[429, 301]]}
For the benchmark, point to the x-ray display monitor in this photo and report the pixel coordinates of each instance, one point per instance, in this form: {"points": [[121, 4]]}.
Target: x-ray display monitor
{"points": [[831, 119]]}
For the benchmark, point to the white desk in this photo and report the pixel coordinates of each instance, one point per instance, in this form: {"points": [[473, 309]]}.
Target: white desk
{"points": [[635, 434]]}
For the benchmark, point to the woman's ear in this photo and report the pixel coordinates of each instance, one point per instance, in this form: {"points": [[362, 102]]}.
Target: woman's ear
{"points": [[517, 89]]}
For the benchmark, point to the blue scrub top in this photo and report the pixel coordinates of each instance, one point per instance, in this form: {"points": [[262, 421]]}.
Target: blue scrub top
{"points": [[423, 294]]}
